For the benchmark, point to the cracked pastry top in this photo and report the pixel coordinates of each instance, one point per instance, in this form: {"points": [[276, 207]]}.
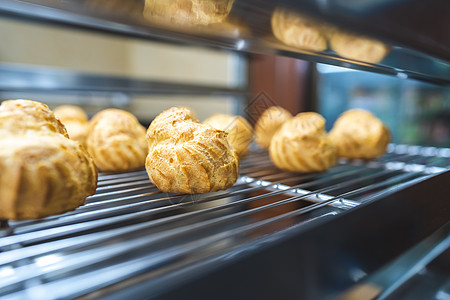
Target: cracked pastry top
{"points": [[116, 141], [186, 156], [268, 123], [75, 120], [359, 134], [302, 145], [239, 131], [43, 171]]}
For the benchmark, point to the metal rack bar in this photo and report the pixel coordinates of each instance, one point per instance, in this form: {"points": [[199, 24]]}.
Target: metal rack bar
{"points": [[92, 256], [80, 214], [130, 228]]}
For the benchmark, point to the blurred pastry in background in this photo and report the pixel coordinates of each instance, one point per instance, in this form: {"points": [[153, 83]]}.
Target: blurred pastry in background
{"points": [[43, 172], [239, 131], [186, 156], [116, 141], [302, 145], [299, 31], [268, 123], [75, 120], [70, 113], [357, 47], [187, 12], [359, 134], [19, 117]]}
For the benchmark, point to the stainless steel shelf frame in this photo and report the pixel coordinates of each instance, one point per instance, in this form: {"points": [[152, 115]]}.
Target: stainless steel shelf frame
{"points": [[130, 240], [55, 80]]}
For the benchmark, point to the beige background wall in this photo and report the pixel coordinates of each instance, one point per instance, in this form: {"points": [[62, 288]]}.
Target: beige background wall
{"points": [[29, 43], [83, 51]]}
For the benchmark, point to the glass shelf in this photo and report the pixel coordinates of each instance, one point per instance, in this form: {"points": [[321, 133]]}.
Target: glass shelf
{"points": [[416, 50]]}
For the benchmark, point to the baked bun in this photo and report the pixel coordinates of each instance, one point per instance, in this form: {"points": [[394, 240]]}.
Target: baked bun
{"points": [[239, 131], [70, 113], [356, 47], [359, 134], [186, 156], [18, 117], [116, 141], [299, 31], [75, 120], [302, 145], [268, 123], [187, 12], [43, 172]]}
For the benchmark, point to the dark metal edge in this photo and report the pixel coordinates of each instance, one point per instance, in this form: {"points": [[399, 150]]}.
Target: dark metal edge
{"points": [[318, 261]]}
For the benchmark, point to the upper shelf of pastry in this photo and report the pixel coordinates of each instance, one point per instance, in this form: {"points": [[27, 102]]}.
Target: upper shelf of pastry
{"points": [[404, 38]]}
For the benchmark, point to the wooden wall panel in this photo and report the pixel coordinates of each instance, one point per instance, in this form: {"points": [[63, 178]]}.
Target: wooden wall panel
{"points": [[282, 80]]}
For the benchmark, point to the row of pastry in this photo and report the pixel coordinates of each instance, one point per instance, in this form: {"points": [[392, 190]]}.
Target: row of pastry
{"points": [[301, 144], [290, 27], [304, 32], [44, 172]]}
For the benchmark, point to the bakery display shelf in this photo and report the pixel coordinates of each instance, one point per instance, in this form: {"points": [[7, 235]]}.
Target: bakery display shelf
{"points": [[420, 273], [130, 240], [417, 51], [26, 78]]}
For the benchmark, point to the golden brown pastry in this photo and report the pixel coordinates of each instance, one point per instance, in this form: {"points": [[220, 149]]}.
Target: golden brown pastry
{"points": [[25, 116], [70, 113], [187, 12], [239, 131], [359, 134], [302, 145], [75, 120], [186, 156], [299, 31], [116, 141], [43, 172], [356, 47], [268, 123]]}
